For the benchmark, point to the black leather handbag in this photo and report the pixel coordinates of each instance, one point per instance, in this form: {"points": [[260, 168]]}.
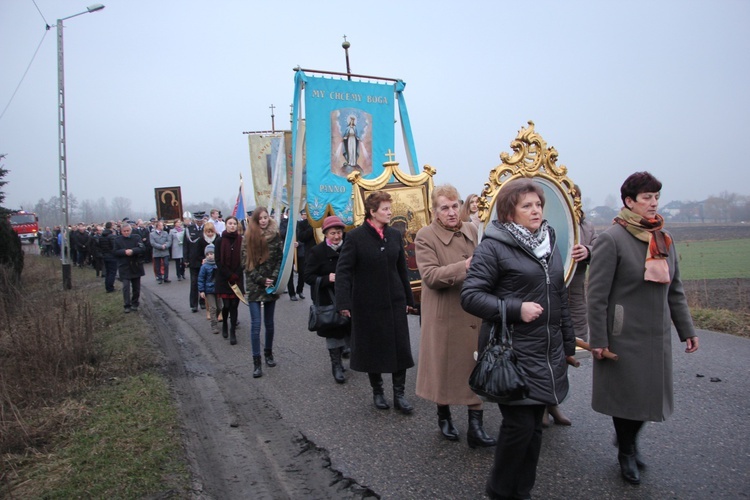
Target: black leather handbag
{"points": [[497, 376], [324, 317]]}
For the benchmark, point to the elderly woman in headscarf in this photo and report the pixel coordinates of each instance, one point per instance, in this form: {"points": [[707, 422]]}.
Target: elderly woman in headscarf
{"points": [[635, 294]]}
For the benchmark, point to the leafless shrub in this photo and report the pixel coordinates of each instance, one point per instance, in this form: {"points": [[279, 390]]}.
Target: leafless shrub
{"points": [[46, 353]]}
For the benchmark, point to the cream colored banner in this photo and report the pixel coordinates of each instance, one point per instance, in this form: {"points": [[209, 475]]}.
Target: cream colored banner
{"points": [[262, 164]]}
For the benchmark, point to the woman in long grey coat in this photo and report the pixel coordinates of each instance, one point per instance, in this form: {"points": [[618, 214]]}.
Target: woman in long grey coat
{"points": [[635, 294], [372, 287], [449, 334]]}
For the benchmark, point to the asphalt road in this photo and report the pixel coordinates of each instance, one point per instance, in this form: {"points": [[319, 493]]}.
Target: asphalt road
{"points": [[702, 451]]}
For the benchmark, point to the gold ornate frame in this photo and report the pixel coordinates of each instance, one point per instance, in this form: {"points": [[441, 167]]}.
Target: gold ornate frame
{"points": [[168, 203], [411, 206], [532, 159]]}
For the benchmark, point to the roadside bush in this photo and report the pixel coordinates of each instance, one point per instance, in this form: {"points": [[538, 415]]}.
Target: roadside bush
{"points": [[46, 352]]}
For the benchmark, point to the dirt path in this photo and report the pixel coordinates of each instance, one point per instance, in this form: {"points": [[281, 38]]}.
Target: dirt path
{"points": [[237, 443]]}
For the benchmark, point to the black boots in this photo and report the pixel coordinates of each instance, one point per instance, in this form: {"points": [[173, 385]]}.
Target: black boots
{"points": [[446, 424], [627, 436], [269, 358], [628, 465], [376, 382], [336, 367], [399, 401], [224, 329], [475, 436], [232, 331], [257, 367]]}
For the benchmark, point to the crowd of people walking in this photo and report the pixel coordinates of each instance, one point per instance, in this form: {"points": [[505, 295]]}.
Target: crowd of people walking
{"points": [[626, 303]]}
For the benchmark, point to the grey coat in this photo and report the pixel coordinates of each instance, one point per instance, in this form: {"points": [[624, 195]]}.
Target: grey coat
{"points": [[577, 285], [161, 242], [633, 318]]}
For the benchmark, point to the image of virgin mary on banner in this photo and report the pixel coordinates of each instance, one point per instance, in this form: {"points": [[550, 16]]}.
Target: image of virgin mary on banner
{"points": [[348, 128]]}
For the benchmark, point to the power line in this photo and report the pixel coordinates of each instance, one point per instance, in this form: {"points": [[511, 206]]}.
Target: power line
{"points": [[24, 73], [40, 13]]}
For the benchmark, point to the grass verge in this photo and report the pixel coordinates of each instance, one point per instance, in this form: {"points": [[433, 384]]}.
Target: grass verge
{"points": [[722, 320], [113, 431]]}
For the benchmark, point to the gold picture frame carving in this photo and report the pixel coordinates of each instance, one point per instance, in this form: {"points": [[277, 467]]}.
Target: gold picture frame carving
{"points": [[411, 207], [533, 159]]}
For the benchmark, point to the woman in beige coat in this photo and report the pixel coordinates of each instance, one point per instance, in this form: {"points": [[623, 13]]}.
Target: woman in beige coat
{"points": [[635, 294], [449, 334]]}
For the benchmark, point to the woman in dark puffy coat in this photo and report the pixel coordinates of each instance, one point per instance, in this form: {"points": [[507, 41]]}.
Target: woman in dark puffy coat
{"points": [[321, 265], [518, 262]]}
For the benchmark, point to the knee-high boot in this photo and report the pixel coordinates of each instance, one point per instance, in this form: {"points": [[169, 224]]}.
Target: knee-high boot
{"points": [[399, 401], [476, 436], [336, 367], [225, 329], [446, 423], [376, 382]]}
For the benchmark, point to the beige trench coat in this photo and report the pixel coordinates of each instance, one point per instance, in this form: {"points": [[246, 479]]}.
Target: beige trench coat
{"points": [[449, 334], [634, 318]]}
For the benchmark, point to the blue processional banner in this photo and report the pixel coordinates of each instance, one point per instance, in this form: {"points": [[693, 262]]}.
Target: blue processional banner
{"points": [[349, 127]]}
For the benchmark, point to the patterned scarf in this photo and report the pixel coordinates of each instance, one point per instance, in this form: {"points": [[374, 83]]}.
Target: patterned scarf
{"points": [[538, 242], [451, 229], [649, 231]]}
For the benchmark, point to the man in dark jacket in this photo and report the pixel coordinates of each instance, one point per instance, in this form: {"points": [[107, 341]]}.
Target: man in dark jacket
{"points": [[192, 256], [106, 241], [141, 230], [79, 240], [129, 250]]}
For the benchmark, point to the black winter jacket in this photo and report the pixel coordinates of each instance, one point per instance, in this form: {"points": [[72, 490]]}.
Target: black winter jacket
{"points": [[502, 269], [321, 262], [105, 243]]}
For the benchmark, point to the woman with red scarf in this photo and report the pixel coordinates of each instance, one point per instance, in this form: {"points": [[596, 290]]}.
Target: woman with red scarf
{"points": [[229, 267], [635, 294]]}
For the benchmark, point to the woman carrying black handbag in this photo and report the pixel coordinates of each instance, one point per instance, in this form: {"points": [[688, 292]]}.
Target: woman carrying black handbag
{"points": [[518, 261], [321, 265]]}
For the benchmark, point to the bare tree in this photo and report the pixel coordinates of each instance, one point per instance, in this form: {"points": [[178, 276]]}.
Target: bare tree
{"points": [[121, 207], [611, 202], [101, 209]]}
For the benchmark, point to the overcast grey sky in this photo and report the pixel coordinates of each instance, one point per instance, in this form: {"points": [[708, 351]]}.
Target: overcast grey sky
{"points": [[158, 93]]}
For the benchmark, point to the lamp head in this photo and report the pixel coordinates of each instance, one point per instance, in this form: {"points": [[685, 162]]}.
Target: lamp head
{"points": [[95, 7]]}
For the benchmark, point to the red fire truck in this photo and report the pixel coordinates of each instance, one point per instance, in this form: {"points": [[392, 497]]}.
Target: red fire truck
{"points": [[25, 224]]}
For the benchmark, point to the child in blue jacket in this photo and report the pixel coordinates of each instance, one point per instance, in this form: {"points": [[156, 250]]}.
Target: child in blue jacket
{"points": [[206, 287]]}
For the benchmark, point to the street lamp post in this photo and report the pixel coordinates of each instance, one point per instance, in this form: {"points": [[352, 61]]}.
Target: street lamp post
{"points": [[65, 251]]}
